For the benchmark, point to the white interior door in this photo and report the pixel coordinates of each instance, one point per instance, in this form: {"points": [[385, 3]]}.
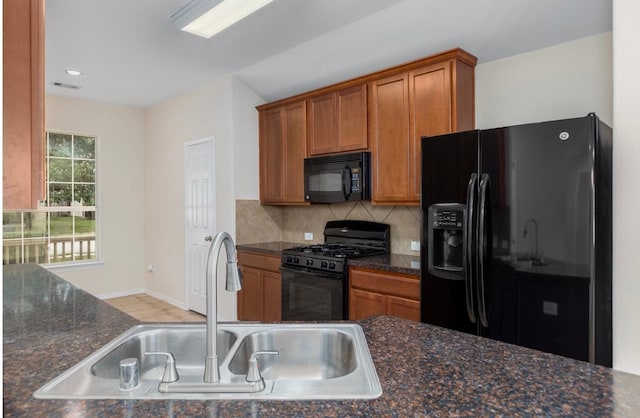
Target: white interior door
{"points": [[200, 218]]}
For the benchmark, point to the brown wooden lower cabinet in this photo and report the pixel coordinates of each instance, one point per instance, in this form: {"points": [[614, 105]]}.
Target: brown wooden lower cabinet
{"points": [[377, 292], [260, 298]]}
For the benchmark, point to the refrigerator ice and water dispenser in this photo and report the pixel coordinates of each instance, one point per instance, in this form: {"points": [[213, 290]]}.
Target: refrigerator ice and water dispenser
{"points": [[446, 240]]}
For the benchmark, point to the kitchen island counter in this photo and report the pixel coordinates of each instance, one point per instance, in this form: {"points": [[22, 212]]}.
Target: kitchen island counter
{"points": [[49, 325]]}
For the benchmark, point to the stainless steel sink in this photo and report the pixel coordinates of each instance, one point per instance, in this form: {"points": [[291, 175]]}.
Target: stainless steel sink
{"points": [[308, 354], [186, 343], [315, 361]]}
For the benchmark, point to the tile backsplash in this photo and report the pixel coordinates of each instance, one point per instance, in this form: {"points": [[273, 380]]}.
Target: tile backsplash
{"points": [[256, 223]]}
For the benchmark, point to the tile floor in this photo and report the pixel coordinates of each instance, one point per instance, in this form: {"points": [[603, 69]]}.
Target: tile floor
{"points": [[149, 309]]}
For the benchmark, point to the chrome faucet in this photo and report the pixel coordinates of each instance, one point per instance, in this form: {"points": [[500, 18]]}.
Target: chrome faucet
{"points": [[525, 232], [171, 383], [233, 284]]}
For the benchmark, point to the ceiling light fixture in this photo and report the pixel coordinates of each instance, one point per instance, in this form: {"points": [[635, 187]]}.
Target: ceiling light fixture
{"points": [[73, 72], [207, 17]]}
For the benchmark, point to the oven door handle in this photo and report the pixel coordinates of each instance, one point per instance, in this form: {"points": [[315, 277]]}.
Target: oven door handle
{"points": [[346, 182], [311, 272]]}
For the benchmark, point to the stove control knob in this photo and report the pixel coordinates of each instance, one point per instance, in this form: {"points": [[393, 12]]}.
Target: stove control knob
{"points": [[296, 259], [324, 264], [332, 265], [309, 262]]}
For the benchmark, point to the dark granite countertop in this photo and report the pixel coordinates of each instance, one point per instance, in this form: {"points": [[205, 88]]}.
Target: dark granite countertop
{"points": [[397, 263], [271, 248], [49, 325]]}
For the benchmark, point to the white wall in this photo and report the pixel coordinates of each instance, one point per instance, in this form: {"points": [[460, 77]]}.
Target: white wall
{"points": [[245, 128], [212, 110], [626, 184], [120, 153], [563, 81]]}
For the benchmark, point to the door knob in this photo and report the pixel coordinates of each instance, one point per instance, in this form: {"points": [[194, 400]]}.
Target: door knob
{"points": [[208, 238]]}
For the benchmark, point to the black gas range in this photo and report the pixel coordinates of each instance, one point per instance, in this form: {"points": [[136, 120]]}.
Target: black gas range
{"points": [[315, 277]]}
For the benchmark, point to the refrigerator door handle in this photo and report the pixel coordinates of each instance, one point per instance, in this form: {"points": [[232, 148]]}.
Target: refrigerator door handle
{"points": [[482, 310], [468, 239]]}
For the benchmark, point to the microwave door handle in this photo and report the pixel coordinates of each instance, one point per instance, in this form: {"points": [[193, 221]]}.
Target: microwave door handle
{"points": [[346, 182]]}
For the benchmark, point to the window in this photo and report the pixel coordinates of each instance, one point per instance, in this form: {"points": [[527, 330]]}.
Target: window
{"points": [[63, 228]]}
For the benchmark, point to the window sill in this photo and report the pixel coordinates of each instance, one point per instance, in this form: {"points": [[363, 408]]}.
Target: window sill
{"points": [[78, 265]]}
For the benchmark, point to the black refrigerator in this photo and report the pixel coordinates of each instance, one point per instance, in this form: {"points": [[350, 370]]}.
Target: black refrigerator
{"points": [[516, 235]]}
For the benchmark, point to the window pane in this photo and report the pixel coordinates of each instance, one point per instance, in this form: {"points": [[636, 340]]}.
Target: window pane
{"points": [[85, 194], [61, 237], [61, 223], [84, 171], [84, 246], [59, 194], [11, 225], [59, 145], [35, 224], [31, 249], [84, 147], [85, 223], [59, 169]]}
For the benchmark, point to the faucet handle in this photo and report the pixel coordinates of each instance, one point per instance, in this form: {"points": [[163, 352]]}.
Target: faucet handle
{"points": [[253, 374], [170, 371]]}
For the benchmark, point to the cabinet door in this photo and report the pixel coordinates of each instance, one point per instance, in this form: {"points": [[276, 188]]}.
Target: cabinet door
{"points": [[23, 98], [295, 150], [322, 132], [283, 147], [352, 118], [363, 304], [272, 155], [250, 298], [430, 109], [272, 285], [389, 139], [403, 308]]}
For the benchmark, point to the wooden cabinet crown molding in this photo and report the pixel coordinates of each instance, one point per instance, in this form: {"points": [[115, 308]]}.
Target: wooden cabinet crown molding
{"points": [[452, 54], [23, 103]]}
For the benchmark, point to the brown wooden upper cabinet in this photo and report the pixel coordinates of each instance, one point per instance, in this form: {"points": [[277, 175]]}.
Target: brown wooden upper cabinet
{"points": [[283, 147], [23, 103], [337, 121], [386, 112], [428, 99]]}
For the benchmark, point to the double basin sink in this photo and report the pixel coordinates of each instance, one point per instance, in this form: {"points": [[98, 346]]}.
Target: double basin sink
{"points": [[314, 361]]}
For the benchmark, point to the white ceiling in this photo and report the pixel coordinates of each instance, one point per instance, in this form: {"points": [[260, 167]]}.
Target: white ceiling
{"points": [[131, 54]]}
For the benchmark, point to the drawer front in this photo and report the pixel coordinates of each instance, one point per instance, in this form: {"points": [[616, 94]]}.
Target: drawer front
{"points": [[385, 283], [259, 261]]}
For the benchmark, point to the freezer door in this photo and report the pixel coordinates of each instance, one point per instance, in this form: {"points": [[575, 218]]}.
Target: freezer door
{"points": [[541, 239], [448, 164]]}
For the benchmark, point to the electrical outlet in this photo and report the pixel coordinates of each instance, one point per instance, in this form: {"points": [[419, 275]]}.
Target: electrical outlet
{"points": [[415, 245], [150, 268], [308, 236]]}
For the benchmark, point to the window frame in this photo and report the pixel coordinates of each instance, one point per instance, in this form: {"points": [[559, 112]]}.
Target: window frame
{"points": [[44, 207]]}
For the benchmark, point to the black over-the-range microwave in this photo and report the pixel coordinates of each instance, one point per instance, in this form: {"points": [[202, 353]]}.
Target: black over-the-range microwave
{"points": [[337, 178]]}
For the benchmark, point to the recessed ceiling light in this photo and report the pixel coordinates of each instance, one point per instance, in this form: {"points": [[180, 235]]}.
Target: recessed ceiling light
{"points": [[207, 17], [73, 72]]}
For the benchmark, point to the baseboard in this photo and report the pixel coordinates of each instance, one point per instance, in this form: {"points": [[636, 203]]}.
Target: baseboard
{"points": [[120, 294]]}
